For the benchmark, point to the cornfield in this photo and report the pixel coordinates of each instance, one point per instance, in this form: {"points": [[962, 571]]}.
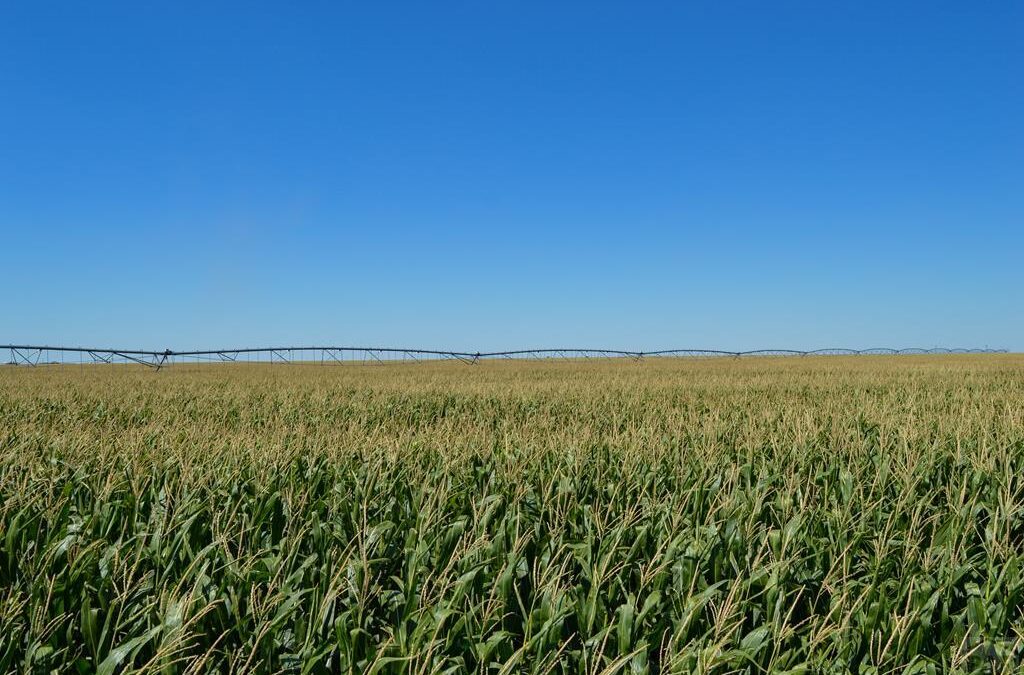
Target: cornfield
{"points": [[786, 515]]}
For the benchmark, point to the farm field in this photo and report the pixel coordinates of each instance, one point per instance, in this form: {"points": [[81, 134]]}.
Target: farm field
{"points": [[819, 515]]}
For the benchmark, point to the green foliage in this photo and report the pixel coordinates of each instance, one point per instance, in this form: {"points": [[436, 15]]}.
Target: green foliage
{"points": [[819, 515]]}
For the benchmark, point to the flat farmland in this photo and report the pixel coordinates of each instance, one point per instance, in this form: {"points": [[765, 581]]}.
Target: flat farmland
{"points": [[802, 514]]}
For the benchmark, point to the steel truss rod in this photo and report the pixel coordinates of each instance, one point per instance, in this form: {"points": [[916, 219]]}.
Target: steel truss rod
{"points": [[25, 355], [153, 363]]}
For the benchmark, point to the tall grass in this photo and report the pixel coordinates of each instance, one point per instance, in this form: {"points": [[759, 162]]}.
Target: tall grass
{"points": [[819, 515]]}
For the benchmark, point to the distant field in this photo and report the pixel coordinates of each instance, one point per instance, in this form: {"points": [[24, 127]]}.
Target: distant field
{"points": [[819, 514]]}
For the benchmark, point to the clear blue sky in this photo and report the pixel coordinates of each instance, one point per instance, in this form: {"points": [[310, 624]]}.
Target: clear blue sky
{"points": [[485, 175]]}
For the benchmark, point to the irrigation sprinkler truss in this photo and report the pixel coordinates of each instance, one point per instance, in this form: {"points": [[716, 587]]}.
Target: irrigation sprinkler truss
{"points": [[39, 355]]}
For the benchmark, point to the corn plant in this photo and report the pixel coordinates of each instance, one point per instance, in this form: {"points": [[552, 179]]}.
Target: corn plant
{"points": [[804, 515]]}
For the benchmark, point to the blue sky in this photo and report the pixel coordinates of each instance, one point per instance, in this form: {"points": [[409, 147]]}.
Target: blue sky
{"points": [[498, 175]]}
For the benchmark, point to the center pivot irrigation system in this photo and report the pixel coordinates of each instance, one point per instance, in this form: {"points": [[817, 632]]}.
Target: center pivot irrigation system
{"points": [[39, 355]]}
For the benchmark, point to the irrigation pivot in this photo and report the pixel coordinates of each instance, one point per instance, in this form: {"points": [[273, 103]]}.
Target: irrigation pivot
{"points": [[38, 355]]}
